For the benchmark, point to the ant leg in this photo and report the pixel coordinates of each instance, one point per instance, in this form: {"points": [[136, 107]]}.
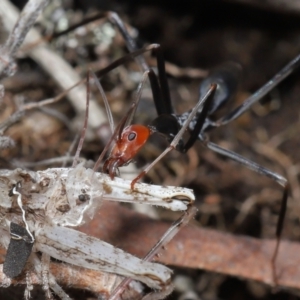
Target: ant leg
{"points": [[127, 118], [280, 76], [130, 42], [207, 98], [55, 35], [83, 131], [198, 126], [165, 90], [161, 93], [226, 76], [106, 104], [264, 171], [165, 239], [114, 18], [125, 58], [108, 111]]}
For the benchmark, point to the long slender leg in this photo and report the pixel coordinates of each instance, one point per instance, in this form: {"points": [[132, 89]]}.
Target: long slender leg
{"points": [[131, 45], [280, 76], [162, 98], [198, 126], [73, 27], [137, 54], [126, 58], [117, 21], [165, 239], [124, 121], [105, 101], [264, 171], [169, 126], [130, 42], [160, 92], [83, 131], [208, 97], [162, 76], [226, 76]]}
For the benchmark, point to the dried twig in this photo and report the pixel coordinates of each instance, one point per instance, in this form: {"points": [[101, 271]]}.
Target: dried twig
{"points": [[71, 276], [193, 247], [196, 247], [55, 66], [99, 283], [18, 33]]}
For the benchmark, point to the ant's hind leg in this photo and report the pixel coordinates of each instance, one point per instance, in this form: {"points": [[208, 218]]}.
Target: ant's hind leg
{"points": [[261, 92], [203, 102], [282, 181]]}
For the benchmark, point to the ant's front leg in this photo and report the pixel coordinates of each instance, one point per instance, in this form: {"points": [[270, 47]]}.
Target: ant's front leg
{"points": [[204, 102], [226, 77]]}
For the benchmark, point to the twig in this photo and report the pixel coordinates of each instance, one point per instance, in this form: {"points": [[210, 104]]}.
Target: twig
{"points": [[198, 248], [50, 161], [193, 247], [63, 74], [71, 276], [22, 24]]}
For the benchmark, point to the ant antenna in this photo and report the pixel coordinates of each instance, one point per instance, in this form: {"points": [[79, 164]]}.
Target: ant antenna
{"points": [[124, 121], [107, 107], [83, 131]]}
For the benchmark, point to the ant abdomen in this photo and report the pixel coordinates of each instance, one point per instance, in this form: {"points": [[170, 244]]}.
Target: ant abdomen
{"points": [[227, 77]]}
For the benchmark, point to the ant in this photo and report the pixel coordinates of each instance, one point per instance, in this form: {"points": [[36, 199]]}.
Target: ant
{"points": [[131, 138]]}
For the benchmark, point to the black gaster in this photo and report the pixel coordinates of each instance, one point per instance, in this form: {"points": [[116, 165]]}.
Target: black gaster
{"points": [[18, 252], [227, 76]]}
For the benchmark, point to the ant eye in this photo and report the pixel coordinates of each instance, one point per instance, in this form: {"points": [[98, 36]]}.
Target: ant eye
{"points": [[131, 136]]}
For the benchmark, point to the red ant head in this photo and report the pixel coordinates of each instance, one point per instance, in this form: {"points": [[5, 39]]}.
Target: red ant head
{"points": [[133, 137]]}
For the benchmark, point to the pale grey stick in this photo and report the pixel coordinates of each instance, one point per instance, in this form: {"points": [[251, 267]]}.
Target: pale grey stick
{"points": [[63, 74], [23, 23]]}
